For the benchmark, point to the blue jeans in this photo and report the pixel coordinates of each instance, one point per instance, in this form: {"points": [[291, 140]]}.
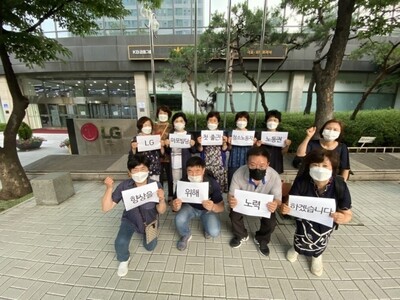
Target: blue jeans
{"points": [[123, 240], [210, 220]]}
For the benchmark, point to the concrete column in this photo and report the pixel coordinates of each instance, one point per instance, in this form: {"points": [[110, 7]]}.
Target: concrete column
{"points": [[397, 99], [5, 101], [295, 94], [142, 95]]}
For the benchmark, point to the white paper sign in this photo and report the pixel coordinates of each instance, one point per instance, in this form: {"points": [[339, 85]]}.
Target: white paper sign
{"points": [[313, 209], [140, 195], [252, 203], [243, 137], [211, 137], [177, 140], [148, 142], [192, 192], [274, 138]]}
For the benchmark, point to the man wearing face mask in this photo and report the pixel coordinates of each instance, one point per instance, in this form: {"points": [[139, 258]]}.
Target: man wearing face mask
{"points": [[133, 220], [207, 211], [318, 178], [257, 177]]}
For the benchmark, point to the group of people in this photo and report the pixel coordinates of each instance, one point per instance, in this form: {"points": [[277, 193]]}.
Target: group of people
{"points": [[231, 167]]}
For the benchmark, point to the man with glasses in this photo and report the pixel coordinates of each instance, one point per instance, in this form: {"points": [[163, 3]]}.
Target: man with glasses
{"points": [[257, 177]]}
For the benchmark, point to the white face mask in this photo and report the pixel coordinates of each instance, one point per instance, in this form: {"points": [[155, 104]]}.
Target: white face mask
{"points": [[241, 124], [163, 118], [320, 174], [198, 178], [212, 126], [146, 129], [272, 125], [179, 126], [330, 135], [140, 177]]}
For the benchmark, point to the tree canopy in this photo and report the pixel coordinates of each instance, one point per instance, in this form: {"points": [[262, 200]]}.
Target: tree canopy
{"points": [[341, 20], [22, 37]]}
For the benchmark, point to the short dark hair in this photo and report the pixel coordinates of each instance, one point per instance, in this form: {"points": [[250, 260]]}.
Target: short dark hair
{"points": [[164, 108], [258, 151], [333, 121], [195, 161], [143, 120], [137, 160], [318, 156], [213, 114], [242, 114], [177, 115], [273, 113]]}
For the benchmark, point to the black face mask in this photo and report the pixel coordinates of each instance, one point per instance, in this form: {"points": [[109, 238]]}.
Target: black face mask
{"points": [[257, 174]]}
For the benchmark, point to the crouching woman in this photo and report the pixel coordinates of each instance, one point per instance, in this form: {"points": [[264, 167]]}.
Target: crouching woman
{"points": [[318, 178]]}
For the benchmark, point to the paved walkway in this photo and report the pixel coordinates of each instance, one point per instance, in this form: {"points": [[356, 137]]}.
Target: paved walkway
{"points": [[67, 251]]}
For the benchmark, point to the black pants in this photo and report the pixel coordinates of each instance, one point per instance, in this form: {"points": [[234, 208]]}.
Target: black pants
{"points": [[166, 167], [267, 226]]}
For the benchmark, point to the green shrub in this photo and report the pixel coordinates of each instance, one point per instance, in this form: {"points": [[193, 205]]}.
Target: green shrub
{"points": [[383, 124], [2, 127], [24, 131]]}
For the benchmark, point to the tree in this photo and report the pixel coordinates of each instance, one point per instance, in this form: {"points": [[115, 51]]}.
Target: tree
{"points": [[354, 19], [21, 36], [182, 69], [246, 31], [386, 55]]}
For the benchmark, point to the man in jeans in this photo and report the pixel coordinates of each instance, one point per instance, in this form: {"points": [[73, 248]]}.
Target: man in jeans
{"points": [[206, 211], [257, 177], [133, 220]]}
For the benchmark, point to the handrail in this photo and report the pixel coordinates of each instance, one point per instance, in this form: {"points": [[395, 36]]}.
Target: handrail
{"points": [[374, 149]]}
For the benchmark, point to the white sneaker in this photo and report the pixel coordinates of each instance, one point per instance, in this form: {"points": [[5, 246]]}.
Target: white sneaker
{"points": [[292, 255], [317, 267], [123, 268]]}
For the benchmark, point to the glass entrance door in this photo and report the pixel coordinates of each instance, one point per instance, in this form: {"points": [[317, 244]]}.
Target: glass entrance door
{"points": [[99, 111]]}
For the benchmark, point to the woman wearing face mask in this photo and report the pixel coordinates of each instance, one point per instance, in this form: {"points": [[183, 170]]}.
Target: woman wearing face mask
{"points": [[163, 128], [331, 134], [317, 179], [145, 127], [215, 156], [179, 156], [133, 220], [238, 154], [272, 120]]}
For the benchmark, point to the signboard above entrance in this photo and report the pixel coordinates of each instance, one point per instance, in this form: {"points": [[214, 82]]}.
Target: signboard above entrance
{"points": [[161, 52]]}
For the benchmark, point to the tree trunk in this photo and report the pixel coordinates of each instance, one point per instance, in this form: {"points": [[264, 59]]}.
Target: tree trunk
{"points": [[325, 78], [307, 109], [366, 94], [324, 91], [230, 83], [263, 102], [15, 183]]}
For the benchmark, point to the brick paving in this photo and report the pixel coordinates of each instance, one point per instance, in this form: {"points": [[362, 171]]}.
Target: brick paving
{"points": [[67, 252]]}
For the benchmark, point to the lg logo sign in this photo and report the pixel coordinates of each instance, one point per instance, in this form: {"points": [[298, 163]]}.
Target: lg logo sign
{"points": [[90, 132]]}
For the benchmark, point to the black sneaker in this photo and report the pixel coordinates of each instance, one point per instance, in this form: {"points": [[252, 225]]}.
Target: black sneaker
{"points": [[262, 247], [237, 242]]}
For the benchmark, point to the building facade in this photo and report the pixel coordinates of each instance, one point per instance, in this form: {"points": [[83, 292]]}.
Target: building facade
{"points": [[109, 76]]}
